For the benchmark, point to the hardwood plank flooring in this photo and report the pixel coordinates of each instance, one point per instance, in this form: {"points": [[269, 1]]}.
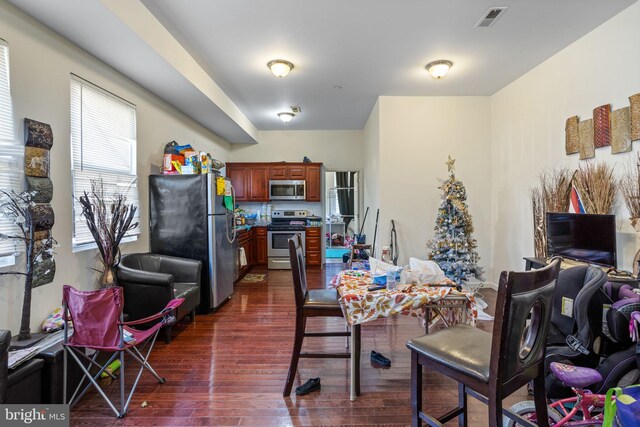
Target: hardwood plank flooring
{"points": [[229, 368]]}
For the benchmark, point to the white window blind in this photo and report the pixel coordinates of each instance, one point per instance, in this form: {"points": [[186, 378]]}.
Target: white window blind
{"points": [[103, 145], [11, 152]]}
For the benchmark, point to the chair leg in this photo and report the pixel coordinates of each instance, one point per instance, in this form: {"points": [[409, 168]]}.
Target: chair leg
{"points": [[495, 410], [416, 390], [167, 334], [462, 404], [192, 315], [123, 409], [295, 354], [355, 329], [540, 399]]}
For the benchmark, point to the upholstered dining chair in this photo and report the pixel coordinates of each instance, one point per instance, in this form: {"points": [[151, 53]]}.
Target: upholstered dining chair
{"points": [[491, 366], [313, 303]]}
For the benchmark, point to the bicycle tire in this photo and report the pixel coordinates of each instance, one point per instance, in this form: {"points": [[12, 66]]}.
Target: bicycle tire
{"points": [[529, 407]]}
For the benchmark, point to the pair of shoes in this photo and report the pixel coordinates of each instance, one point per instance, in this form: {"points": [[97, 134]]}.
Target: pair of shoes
{"points": [[379, 359], [312, 385]]}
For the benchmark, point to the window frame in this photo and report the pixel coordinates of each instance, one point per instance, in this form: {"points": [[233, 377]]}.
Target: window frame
{"points": [[83, 134]]}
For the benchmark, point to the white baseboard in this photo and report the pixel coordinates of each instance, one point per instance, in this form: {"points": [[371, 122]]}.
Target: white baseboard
{"points": [[490, 285]]}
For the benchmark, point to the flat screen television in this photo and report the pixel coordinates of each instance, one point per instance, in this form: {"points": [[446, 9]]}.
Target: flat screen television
{"points": [[583, 237]]}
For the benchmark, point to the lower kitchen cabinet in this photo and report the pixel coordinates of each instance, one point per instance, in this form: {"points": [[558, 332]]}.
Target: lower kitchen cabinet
{"points": [[246, 241], [313, 246], [261, 245]]}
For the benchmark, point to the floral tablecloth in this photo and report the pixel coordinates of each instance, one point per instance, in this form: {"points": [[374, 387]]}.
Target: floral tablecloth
{"points": [[362, 305]]}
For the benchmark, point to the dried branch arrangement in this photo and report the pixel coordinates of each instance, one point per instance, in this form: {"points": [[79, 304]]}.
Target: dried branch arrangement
{"points": [[555, 186], [630, 188], [18, 207], [597, 187], [539, 224], [108, 221], [552, 195]]}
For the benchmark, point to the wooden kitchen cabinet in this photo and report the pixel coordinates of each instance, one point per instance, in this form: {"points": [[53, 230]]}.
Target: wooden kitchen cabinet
{"points": [[259, 184], [238, 179], [313, 182], [246, 241], [313, 246], [261, 245], [250, 181], [287, 171]]}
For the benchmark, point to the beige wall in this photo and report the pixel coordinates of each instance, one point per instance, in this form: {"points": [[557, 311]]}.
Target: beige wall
{"points": [[338, 150], [527, 125], [41, 62], [416, 136]]}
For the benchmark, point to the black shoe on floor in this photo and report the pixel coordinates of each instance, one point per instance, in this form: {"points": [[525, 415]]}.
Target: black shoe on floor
{"points": [[312, 385], [379, 359]]}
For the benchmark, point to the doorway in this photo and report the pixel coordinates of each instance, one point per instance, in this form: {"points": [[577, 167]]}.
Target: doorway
{"points": [[341, 216]]}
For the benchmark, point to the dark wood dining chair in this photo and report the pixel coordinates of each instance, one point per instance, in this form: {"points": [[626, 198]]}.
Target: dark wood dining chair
{"points": [[491, 366], [313, 303]]}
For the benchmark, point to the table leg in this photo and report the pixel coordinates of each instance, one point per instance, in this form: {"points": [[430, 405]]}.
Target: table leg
{"points": [[354, 369], [427, 315]]}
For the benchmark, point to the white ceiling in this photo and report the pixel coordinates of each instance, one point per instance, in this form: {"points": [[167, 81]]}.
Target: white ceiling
{"points": [[366, 48]]}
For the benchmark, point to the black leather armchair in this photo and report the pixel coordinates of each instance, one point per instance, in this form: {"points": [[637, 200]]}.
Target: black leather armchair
{"points": [[22, 384], [150, 281]]}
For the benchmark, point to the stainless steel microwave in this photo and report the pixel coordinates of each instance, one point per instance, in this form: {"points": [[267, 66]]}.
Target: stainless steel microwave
{"points": [[281, 189]]}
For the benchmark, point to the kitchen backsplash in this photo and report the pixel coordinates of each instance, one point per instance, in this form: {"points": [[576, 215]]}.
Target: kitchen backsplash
{"points": [[314, 208]]}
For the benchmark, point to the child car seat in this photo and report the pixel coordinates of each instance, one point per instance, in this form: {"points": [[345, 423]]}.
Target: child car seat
{"points": [[601, 338], [576, 319]]}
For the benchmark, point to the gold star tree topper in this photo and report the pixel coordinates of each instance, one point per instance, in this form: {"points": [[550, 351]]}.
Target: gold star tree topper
{"points": [[450, 164]]}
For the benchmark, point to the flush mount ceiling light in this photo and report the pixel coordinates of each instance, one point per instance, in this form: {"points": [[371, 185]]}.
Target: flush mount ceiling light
{"points": [[280, 67], [439, 69], [286, 117]]}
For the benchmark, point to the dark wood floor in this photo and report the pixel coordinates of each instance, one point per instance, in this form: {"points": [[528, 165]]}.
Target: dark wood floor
{"points": [[229, 368]]}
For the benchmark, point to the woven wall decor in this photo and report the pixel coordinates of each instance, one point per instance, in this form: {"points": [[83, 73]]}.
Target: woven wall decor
{"points": [[602, 126], [585, 134], [634, 113], [38, 142], [620, 140], [572, 142], [38, 134]]}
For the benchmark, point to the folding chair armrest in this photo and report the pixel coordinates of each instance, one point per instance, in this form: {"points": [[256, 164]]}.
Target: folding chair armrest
{"points": [[172, 305]]}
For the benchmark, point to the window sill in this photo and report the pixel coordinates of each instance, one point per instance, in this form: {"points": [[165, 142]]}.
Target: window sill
{"points": [[87, 246]]}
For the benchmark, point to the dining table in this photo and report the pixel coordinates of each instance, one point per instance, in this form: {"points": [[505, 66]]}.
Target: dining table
{"points": [[429, 302]]}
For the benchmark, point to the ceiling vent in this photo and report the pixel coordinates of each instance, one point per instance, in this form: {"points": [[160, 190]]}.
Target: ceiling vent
{"points": [[491, 16], [296, 109]]}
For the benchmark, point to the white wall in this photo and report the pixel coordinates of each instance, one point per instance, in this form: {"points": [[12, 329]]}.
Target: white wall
{"points": [[41, 62], [527, 126], [371, 173], [337, 150], [416, 136]]}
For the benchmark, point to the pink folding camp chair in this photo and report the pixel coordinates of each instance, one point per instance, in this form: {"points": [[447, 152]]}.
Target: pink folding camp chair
{"points": [[93, 320]]}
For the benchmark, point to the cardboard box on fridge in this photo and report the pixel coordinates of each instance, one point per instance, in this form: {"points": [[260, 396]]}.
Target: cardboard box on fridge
{"points": [[168, 162]]}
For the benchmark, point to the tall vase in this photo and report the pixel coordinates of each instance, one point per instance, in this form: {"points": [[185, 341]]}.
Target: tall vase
{"points": [[107, 278]]}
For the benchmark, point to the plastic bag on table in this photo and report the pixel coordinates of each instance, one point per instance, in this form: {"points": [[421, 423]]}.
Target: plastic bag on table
{"points": [[425, 271]]}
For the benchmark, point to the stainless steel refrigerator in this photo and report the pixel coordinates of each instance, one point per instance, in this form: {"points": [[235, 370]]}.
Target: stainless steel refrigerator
{"points": [[188, 219]]}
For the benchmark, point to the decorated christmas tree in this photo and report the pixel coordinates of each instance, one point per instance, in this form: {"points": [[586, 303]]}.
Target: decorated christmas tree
{"points": [[453, 248]]}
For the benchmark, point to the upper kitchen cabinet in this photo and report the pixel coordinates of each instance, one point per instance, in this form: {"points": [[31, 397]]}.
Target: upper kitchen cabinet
{"points": [[250, 181], [287, 171], [313, 181], [259, 180]]}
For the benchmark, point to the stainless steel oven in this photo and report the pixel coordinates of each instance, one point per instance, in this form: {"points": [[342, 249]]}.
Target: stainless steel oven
{"points": [[278, 248], [284, 225], [287, 190]]}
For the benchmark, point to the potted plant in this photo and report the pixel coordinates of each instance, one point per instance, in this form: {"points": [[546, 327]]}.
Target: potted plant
{"points": [[109, 219], [29, 220], [630, 188]]}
